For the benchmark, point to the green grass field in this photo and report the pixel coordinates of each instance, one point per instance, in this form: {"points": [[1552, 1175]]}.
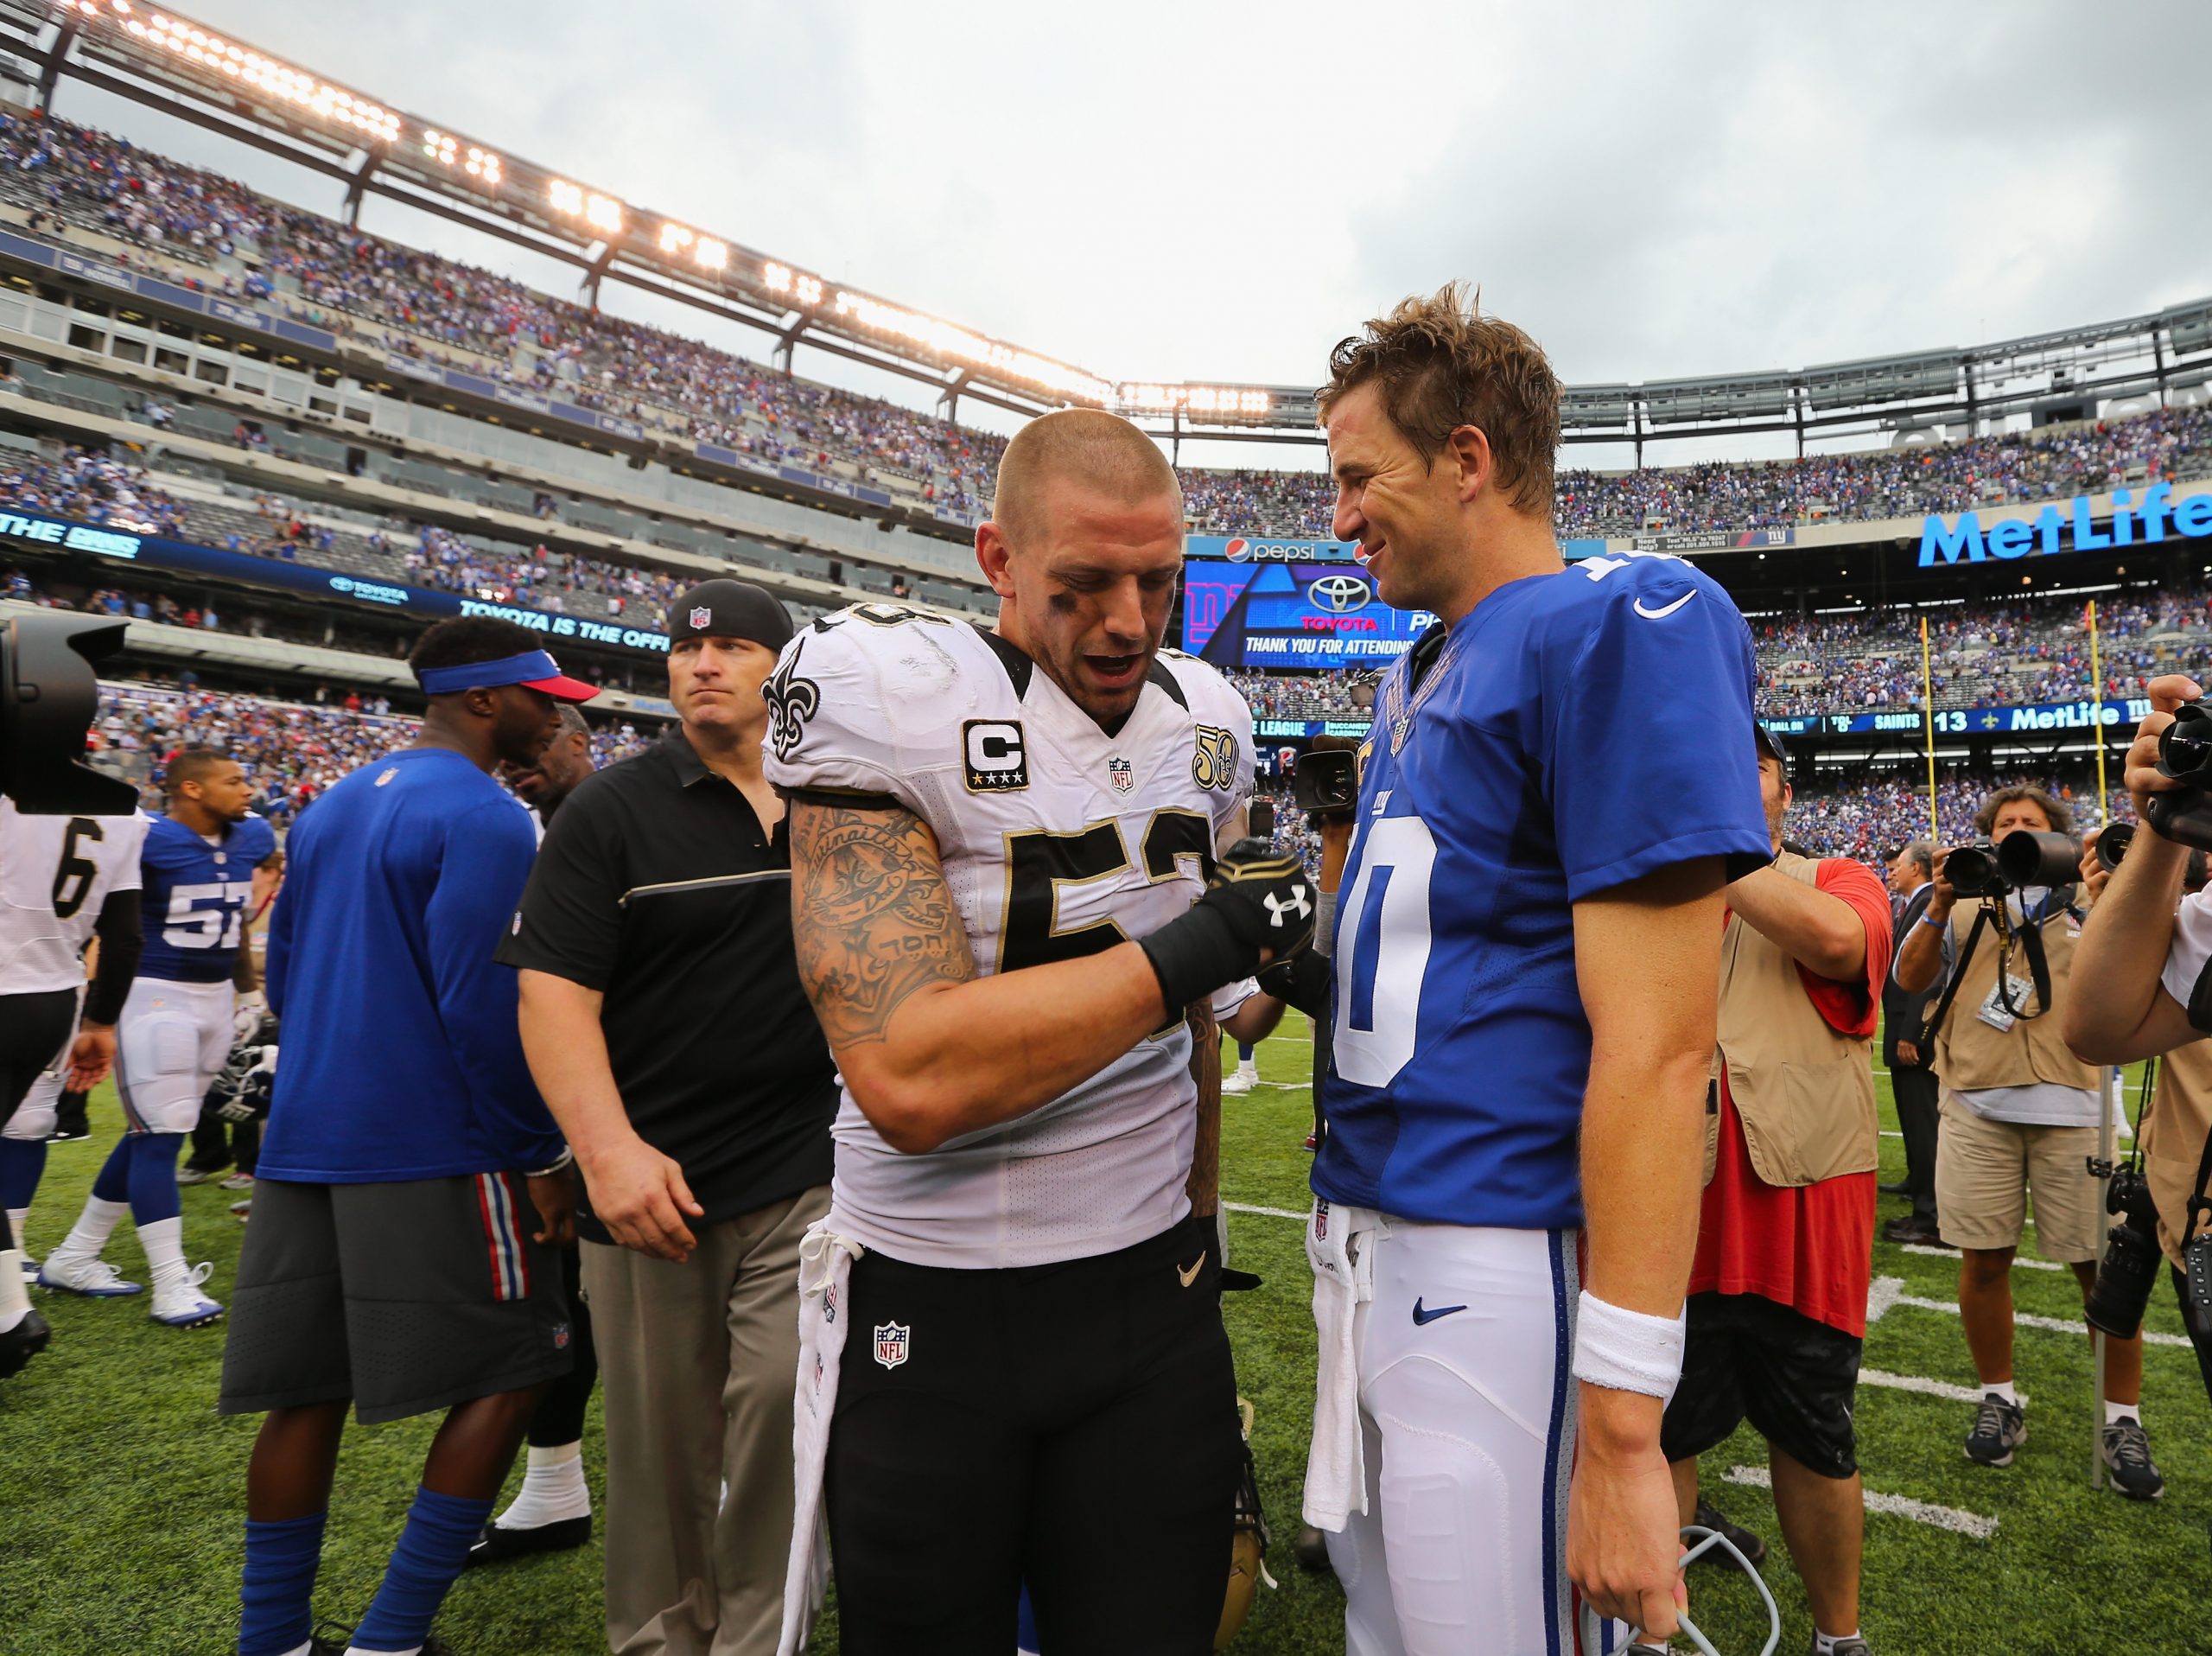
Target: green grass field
{"points": [[121, 1490]]}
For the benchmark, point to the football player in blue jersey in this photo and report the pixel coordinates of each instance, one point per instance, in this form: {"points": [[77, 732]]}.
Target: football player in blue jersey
{"points": [[197, 865], [1560, 780]]}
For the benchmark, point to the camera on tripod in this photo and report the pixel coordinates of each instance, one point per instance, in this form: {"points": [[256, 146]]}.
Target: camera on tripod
{"points": [[2022, 859], [2130, 1265]]}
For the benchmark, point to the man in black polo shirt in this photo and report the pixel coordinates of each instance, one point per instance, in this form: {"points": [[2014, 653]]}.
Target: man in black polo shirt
{"points": [[664, 1023]]}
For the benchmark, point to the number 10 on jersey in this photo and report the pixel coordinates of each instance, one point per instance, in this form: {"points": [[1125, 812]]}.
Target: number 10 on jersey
{"points": [[1383, 938]]}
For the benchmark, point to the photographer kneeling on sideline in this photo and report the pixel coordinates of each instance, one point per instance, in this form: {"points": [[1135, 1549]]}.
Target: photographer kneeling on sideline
{"points": [[2020, 1112], [1777, 1291], [2146, 990]]}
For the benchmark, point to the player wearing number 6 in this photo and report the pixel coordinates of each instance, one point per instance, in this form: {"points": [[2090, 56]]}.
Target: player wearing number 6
{"points": [[197, 867], [1010, 1328], [1560, 779]]}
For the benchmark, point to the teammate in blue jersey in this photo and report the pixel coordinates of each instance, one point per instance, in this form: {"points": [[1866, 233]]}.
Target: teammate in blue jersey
{"points": [[391, 1263], [196, 866], [1558, 782]]}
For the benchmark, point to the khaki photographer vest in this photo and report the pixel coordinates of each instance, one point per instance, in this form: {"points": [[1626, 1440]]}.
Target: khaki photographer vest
{"points": [[1970, 1055], [1805, 1094], [2174, 1130]]}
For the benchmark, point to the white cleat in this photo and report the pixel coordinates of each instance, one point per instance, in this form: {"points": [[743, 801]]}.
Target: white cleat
{"points": [[180, 1303], [1239, 1081], [30, 1271], [94, 1278]]}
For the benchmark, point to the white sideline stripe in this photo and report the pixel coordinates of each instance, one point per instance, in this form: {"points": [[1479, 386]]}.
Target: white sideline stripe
{"points": [[1920, 1511], [1272, 1213], [1886, 1133], [1925, 1386], [2018, 1263], [1889, 1292]]}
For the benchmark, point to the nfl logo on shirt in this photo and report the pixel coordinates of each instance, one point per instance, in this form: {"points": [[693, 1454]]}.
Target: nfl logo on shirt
{"points": [[700, 616], [1122, 774], [891, 1343]]}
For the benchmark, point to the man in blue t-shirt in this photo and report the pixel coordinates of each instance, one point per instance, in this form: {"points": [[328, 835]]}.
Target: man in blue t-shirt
{"points": [[1559, 782], [196, 865], [391, 1262]]}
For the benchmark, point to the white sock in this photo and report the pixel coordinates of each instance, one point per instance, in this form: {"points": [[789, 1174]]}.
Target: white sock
{"points": [[308, 1649], [18, 1218], [553, 1488], [1248, 1069], [163, 1241], [355, 1650], [93, 1227], [2116, 1412], [1824, 1643], [2001, 1389], [15, 1298]]}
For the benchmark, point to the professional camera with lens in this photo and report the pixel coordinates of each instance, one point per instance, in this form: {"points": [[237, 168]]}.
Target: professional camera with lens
{"points": [[1327, 779], [2130, 1264], [2184, 815], [2023, 858]]}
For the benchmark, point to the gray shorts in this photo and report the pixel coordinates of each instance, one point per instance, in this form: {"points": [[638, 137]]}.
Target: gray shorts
{"points": [[402, 1297]]}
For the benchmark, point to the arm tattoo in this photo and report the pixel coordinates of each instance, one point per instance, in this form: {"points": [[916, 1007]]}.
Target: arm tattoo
{"points": [[870, 915]]}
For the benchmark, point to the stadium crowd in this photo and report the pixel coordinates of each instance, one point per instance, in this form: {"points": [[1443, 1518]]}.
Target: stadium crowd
{"points": [[422, 307], [91, 487]]}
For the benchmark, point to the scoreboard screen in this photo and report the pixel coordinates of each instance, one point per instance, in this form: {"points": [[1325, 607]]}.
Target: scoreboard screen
{"points": [[1314, 616]]}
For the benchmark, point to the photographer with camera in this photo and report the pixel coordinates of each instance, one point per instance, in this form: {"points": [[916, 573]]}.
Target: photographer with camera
{"points": [[2020, 1112], [2146, 964]]}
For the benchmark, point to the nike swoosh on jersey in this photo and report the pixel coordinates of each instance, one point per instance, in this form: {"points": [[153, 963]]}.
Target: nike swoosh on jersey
{"points": [[1422, 1319], [1192, 1275], [1664, 610]]}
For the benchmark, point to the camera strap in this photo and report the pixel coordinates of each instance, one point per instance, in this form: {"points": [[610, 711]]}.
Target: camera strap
{"points": [[2030, 935], [1935, 1023]]}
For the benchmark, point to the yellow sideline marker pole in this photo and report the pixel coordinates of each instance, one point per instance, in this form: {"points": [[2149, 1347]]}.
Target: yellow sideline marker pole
{"points": [[1928, 717], [2097, 672]]}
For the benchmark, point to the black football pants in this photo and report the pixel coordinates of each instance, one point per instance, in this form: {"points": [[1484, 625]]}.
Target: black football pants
{"points": [[1071, 1426], [32, 1029]]}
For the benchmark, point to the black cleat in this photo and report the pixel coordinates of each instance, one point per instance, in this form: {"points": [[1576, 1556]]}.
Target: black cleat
{"points": [[1753, 1549], [69, 1132], [497, 1544], [22, 1342]]}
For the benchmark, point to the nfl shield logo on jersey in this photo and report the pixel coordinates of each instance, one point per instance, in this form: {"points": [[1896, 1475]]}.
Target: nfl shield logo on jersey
{"points": [[1122, 774], [891, 1343], [700, 616]]}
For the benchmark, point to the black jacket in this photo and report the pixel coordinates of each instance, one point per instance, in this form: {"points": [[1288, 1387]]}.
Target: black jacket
{"points": [[1902, 1014]]}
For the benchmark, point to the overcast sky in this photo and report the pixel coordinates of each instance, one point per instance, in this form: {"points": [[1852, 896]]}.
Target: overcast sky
{"points": [[1192, 190]]}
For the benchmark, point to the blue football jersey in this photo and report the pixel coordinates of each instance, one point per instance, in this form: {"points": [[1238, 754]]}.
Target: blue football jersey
{"points": [[1573, 732], [196, 896]]}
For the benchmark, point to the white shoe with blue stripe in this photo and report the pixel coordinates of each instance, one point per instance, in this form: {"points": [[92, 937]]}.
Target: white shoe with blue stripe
{"points": [[180, 1303], [93, 1277]]}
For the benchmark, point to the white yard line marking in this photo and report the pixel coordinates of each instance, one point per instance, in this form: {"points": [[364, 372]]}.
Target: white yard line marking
{"points": [[1925, 1386], [1886, 1133], [1920, 1511], [1272, 1213], [1889, 1292], [2018, 1263]]}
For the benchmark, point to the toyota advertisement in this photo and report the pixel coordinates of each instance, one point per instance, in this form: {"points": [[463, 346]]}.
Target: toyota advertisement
{"points": [[1260, 612]]}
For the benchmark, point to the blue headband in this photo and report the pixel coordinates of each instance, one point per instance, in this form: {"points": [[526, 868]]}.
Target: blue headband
{"points": [[527, 668]]}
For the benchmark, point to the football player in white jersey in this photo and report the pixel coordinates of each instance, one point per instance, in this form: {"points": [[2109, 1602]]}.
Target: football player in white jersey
{"points": [[996, 842], [63, 880]]}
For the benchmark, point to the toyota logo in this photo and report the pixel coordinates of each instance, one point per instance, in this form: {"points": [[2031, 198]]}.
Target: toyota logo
{"points": [[1338, 593]]}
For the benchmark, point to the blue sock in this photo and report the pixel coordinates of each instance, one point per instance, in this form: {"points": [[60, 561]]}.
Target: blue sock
{"points": [[432, 1550], [113, 1182], [22, 1162], [277, 1593], [153, 1177], [1244, 1050]]}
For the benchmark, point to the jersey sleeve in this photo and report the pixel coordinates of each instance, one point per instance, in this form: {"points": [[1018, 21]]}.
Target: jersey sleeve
{"points": [[828, 729], [1649, 753], [130, 836]]}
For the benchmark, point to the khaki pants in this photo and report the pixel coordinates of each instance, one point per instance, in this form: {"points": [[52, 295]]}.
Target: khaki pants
{"points": [[697, 1363], [1985, 1171]]}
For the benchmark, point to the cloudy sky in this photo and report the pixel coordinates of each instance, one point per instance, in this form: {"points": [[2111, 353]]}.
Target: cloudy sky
{"points": [[1194, 190]]}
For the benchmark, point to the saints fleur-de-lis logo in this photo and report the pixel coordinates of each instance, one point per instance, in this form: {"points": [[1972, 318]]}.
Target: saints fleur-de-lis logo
{"points": [[792, 702]]}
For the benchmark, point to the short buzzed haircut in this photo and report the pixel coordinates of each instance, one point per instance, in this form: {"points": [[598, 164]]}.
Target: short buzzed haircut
{"points": [[193, 765], [1439, 363], [1102, 451]]}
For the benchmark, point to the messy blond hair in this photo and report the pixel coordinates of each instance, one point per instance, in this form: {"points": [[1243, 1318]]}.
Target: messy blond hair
{"points": [[1440, 364]]}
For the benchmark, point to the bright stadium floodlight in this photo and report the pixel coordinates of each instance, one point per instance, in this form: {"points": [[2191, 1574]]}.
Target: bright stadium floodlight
{"points": [[948, 340], [275, 80], [674, 239], [710, 255]]}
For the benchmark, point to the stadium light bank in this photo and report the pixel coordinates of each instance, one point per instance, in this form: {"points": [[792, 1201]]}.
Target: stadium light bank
{"points": [[2132, 524]]}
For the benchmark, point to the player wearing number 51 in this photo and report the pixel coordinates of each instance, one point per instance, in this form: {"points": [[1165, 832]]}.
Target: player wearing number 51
{"points": [[1560, 779], [1005, 893], [175, 1030]]}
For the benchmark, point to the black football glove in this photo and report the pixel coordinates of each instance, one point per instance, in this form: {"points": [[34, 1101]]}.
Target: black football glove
{"points": [[1257, 898], [1301, 982]]}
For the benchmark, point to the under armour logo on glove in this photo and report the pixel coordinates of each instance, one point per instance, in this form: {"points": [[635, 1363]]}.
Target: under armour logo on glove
{"points": [[1296, 906]]}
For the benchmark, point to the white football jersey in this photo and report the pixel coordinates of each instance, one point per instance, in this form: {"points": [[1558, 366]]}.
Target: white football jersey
{"points": [[56, 872], [1058, 840]]}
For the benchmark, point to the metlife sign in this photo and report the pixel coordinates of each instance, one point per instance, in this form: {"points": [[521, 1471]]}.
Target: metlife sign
{"points": [[1971, 720], [2158, 516]]}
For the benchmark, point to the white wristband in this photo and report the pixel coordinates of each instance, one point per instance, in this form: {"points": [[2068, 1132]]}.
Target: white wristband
{"points": [[1625, 1350]]}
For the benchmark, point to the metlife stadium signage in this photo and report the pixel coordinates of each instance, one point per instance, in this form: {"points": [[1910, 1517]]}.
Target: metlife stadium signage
{"points": [[155, 552], [2070, 527], [1971, 720]]}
